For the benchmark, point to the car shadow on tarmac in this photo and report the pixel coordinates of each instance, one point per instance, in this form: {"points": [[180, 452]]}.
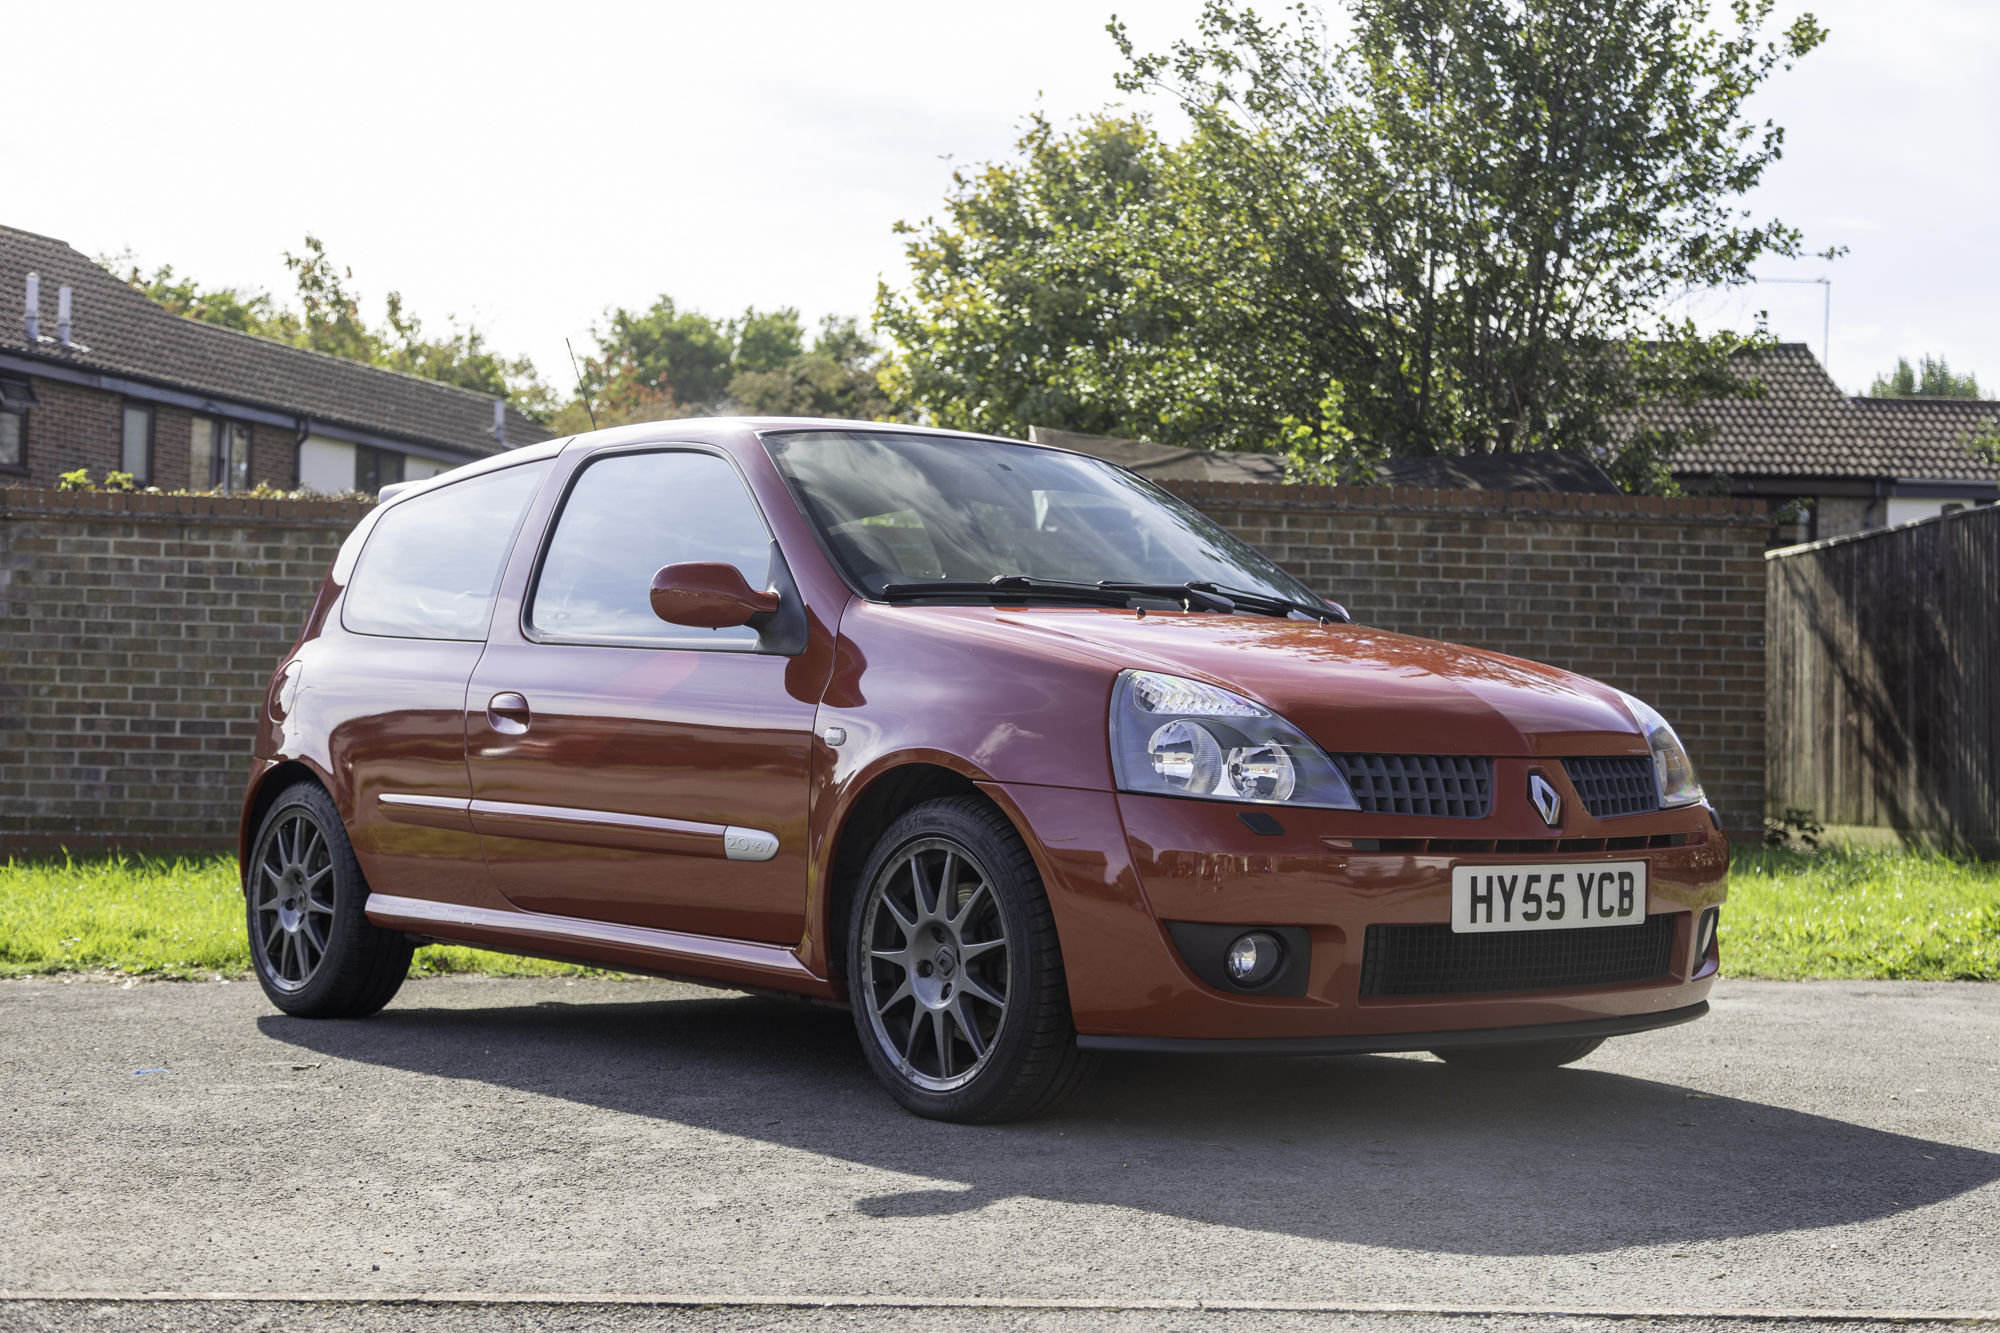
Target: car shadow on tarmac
{"points": [[1369, 1150]]}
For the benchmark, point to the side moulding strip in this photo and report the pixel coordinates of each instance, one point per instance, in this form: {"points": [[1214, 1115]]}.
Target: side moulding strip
{"points": [[766, 966]]}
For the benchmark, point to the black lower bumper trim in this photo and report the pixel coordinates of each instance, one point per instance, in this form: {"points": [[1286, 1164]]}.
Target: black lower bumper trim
{"points": [[1621, 1025]]}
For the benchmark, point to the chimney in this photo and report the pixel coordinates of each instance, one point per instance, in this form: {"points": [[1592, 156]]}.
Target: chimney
{"points": [[500, 421], [62, 315], [34, 320]]}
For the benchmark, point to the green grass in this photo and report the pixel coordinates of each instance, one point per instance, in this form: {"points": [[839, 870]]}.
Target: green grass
{"points": [[169, 918], [1880, 914], [1835, 914]]}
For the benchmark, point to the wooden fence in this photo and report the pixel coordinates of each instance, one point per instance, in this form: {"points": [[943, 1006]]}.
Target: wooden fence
{"points": [[1884, 679]]}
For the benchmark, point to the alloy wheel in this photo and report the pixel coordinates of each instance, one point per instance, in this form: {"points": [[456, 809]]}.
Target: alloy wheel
{"points": [[937, 960], [294, 899]]}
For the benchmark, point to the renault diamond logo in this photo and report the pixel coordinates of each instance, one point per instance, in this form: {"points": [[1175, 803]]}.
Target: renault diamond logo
{"points": [[1547, 802]]}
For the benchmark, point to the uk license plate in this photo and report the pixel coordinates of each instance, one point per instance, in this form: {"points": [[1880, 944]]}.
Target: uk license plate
{"points": [[1547, 897]]}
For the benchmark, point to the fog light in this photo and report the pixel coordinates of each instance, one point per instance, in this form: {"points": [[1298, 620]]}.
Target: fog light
{"points": [[1254, 958]]}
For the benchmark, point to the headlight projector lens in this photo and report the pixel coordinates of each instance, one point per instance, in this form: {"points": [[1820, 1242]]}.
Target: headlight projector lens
{"points": [[1186, 755], [1254, 958], [1262, 772]]}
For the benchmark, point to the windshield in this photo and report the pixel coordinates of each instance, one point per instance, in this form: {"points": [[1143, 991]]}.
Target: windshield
{"points": [[899, 509]]}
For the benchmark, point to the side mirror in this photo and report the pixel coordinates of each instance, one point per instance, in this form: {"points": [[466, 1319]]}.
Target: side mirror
{"points": [[708, 594]]}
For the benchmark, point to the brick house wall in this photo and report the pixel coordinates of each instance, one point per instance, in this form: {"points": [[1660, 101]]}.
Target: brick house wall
{"points": [[138, 632], [1663, 598], [72, 422], [77, 426]]}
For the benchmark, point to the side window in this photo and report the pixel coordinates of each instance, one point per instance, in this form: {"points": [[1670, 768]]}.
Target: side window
{"points": [[627, 516], [432, 564]]}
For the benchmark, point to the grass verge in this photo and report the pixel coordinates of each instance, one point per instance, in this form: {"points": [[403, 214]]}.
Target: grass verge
{"points": [[180, 917], [1892, 915], [1882, 914]]}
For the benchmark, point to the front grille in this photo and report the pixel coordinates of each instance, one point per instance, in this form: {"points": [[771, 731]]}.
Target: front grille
{"points": [[1616, 784], [1451, 786], [1431, 960], [1506, 846]]}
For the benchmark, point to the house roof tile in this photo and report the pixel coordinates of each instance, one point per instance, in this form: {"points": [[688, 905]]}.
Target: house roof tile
{"points": [[131, 337], [1804, 426]]}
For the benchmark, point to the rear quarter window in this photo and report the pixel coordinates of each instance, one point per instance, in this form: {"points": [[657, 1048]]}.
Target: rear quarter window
{"points": [[432, 564]]}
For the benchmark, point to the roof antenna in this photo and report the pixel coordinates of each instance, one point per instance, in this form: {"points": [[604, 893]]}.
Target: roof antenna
{"points": [[581, 396]]}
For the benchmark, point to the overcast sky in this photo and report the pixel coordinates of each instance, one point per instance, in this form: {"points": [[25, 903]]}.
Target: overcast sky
{"points": [[524, 167]]}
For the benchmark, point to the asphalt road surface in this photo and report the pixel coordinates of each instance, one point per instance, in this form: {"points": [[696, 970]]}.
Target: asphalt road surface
{"points": [[1830, 1147]]}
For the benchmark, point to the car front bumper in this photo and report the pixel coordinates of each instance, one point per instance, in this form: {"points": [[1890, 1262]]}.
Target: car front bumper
{"points": [[1195, 861]]}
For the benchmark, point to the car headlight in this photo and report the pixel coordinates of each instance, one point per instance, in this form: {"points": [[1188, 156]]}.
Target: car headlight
{"points": [[1171, 736], [1670, 758]]}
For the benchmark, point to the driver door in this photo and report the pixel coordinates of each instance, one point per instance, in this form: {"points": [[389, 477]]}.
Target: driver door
{"points": [[628, 770]]}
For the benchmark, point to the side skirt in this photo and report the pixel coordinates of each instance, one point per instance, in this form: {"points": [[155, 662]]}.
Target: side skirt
{"points": [[706, 959], [1621, 1025]]}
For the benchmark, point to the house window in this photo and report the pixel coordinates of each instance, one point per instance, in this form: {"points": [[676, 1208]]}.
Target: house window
{"points": [[219, 456], [135, 452], [376, 468], [15, 400], [13, 440]]}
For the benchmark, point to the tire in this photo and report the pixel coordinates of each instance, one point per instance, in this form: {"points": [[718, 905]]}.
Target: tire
{"points": [[314, 951], [959, 997], [1525, 1057]]}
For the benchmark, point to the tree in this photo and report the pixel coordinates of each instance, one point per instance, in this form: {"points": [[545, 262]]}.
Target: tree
{"points": [[837, 378], [1931, 379], [238, 308], [330, 321], [1453, 234], [1015, 307], [665, 362]]}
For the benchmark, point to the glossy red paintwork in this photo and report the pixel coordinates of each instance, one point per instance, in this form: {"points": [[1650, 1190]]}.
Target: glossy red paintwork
{"points": [[708, 594], [608, 807]]}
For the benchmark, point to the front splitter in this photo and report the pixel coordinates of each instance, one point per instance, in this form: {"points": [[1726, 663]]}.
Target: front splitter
{"points": [[1389, 1043]]}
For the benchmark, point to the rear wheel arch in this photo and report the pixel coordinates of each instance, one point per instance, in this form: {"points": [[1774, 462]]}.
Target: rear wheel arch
{"points": [[270, 786]]}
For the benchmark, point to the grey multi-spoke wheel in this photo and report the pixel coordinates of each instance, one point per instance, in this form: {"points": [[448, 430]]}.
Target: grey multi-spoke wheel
{"points": [[937, 954], [291, 899], [954, 970], [312, 946]]}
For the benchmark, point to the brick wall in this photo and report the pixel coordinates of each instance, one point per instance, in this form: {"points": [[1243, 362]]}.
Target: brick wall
{"points": [[80, 427], [1662, 598], [72, 427], [137, 632], [136, 636]]}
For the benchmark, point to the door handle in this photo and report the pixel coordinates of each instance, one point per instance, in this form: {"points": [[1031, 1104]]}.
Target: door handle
{"points": [[508, 714]]}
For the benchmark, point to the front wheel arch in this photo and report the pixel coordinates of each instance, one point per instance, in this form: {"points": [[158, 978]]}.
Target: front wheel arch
{"points": [[886, 798]]}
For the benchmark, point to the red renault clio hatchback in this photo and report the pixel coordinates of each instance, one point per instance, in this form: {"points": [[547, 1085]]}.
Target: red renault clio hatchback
{"points": [[1001, 746]]}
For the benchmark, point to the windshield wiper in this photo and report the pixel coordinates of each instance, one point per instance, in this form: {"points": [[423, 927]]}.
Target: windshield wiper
{"points": [[1271, 602], [1016, 586], [1009, 587], [1195, 596]]}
